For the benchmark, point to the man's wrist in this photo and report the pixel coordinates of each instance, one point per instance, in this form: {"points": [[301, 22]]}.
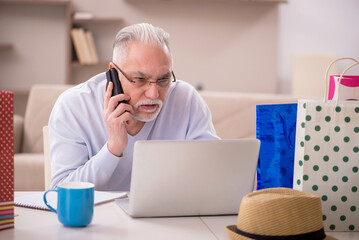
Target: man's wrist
{"points": [[114, 152]]}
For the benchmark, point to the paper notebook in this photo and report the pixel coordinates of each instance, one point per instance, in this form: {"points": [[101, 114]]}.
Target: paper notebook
{"points": [[35, 200]]}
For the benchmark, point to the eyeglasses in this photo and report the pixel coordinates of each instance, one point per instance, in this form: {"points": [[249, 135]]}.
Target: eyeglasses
{"points": [[140, 81]]}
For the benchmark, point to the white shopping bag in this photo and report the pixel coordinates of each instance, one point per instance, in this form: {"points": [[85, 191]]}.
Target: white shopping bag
{"points": [[327, 159]]}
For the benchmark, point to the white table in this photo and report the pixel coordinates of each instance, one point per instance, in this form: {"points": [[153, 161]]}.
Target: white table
{"points": [[110, 222]]}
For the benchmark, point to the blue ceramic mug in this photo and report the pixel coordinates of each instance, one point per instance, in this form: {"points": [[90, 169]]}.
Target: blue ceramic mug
{"points": [[75, 203]]}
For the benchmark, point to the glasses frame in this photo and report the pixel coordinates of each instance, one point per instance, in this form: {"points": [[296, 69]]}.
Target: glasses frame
{"points": [[133, 81]]}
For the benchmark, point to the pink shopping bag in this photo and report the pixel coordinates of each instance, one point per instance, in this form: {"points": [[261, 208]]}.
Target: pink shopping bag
{"points": [[349, 85]]}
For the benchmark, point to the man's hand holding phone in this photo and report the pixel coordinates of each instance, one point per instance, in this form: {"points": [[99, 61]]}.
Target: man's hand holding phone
{"points": [[116, 117]]}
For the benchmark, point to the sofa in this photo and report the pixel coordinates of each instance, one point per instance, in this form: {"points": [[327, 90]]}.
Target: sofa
{"points": [[233, 114], [28, 141]]}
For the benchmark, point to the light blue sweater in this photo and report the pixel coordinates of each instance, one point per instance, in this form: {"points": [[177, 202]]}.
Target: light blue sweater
{"points": [[78, 134]]}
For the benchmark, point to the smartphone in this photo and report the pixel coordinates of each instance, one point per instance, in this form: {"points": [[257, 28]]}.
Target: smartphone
{"points": [[112, 76]]}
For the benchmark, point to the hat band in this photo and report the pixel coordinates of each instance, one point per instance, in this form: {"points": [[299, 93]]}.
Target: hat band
{"points": [[316, 235]]}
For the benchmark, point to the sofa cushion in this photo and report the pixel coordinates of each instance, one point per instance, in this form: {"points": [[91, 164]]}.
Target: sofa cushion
{"points": [[234, 113], [40, 103]]}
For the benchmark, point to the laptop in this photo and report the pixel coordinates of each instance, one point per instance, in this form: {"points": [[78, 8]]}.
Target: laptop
{"points": [[190, 178]]}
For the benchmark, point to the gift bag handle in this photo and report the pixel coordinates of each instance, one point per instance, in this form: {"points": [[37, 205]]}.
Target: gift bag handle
{"points": [[327, 72], [341, 76], [288, 132]]}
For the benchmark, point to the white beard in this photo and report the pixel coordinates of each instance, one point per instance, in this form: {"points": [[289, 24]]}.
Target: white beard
{"points": [[149, 115]]}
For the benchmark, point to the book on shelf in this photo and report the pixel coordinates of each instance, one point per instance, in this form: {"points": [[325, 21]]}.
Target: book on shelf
{"points": [[84, 46], [74, 57], [79, 50], [91, 46]]}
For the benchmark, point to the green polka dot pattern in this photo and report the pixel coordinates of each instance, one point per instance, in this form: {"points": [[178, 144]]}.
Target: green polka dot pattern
{"points": [[326, 159]]}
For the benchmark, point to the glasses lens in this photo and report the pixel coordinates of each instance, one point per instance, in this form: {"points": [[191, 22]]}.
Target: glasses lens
{"points": [[140, 82], [163, 82]]}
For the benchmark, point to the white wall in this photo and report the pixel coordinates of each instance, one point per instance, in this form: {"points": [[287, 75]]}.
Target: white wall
{"points": [[222, 46], [38, 34], [319, 26]]}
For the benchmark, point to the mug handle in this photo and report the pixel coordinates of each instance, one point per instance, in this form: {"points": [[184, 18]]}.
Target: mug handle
{"points": [[45, 200]]}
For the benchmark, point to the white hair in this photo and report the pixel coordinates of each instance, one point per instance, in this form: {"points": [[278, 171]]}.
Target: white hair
{"points": [[142, 32]]}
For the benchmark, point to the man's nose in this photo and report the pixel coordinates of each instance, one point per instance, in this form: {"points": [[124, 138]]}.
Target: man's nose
{"points": [[152, 91]]}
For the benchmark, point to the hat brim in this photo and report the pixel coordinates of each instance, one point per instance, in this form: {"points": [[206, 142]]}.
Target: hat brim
{"points": [[235, 236]]}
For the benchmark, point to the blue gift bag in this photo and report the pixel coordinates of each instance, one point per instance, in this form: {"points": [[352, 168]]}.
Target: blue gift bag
{"points": [[276, 126]]}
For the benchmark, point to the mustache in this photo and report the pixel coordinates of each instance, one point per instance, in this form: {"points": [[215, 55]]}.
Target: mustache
{"points": [[148, 102]]}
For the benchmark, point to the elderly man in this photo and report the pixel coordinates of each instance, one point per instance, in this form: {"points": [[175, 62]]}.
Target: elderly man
{"points": [[92, 135]]}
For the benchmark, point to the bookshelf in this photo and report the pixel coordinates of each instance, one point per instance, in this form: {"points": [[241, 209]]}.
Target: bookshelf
{"points": [[103, 30], [45, 25], [51, 20]]}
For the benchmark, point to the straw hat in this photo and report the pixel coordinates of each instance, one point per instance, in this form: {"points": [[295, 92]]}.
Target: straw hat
{"points": [[279, 212]]}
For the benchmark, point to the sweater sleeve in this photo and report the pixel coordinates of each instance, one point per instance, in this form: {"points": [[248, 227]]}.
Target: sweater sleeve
{"points": [[70, 153]]}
